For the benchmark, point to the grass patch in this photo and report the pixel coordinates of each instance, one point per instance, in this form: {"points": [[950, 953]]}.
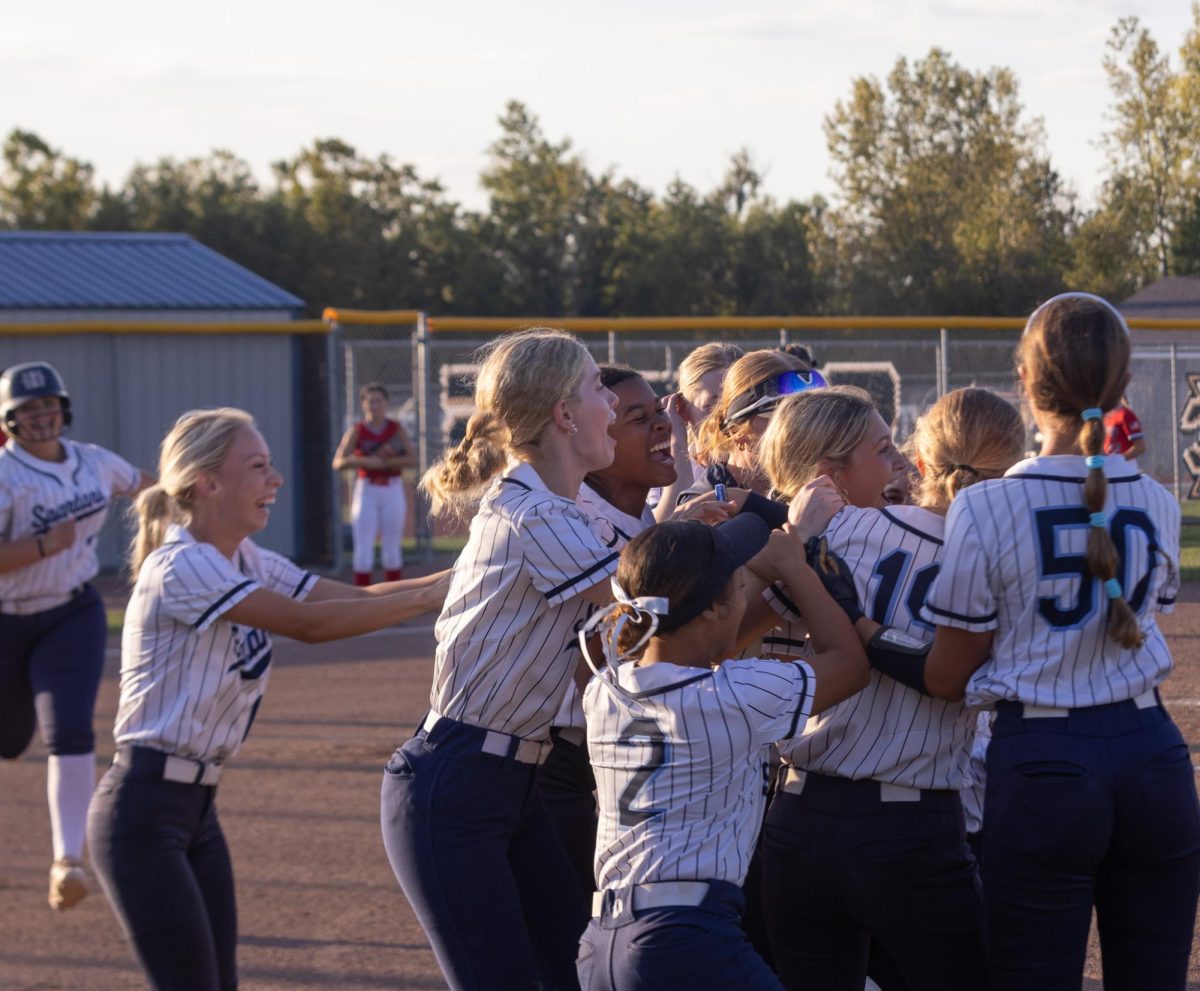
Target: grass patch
{"points": [[116, 617], [441, 545], [1189, 556]]}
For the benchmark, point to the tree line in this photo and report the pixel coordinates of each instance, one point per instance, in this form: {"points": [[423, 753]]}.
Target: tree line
{"points": [[945, 201]]}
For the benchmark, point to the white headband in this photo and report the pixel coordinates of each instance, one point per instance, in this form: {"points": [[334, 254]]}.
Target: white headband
{"points": [[650, 606], [1078, 295]]}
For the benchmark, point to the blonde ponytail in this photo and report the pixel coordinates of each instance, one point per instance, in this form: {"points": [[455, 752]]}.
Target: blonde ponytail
{"points": [[455, 482], [522, 378], [198, 442], [967, 436]]}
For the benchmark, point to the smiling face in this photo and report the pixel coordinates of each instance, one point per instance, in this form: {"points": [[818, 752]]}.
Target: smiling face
{"points": [[245, 483], [642, 435], [871, 467], [592, 412], [39, 420]]}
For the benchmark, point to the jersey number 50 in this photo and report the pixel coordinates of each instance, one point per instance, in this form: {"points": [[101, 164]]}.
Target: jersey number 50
{"points": [[1056, 565]]}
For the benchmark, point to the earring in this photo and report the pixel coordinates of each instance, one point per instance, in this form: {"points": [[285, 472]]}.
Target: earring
{"points": [[574, 429]]}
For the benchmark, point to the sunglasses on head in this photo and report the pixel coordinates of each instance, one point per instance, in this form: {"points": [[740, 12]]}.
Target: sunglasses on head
{"points": [[765, 396]]}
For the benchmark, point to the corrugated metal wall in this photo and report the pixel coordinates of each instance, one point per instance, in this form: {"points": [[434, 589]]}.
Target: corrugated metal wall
{"points": [[127, 390]]}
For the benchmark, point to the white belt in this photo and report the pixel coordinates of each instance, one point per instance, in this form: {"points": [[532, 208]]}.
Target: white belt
{"points": [[655, 894], [1147, 700], [794, 779], [185, 770], [501, 744], [39, 603]]}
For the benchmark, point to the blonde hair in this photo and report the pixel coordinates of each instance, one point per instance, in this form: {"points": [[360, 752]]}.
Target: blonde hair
{"points": [[711, 357], [197, 443], [523, 376], [810, 427], [715, 441], [1075, 356], [966, 436]]}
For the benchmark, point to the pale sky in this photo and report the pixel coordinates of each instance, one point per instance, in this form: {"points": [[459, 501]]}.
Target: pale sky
{"points": [[655, 88]]}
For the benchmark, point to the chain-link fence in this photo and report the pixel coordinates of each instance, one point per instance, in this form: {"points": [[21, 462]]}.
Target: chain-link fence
{"points": [[428, 368]]}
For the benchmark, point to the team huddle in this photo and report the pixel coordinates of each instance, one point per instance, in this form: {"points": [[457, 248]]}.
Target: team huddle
{"points": [[728, 691]]}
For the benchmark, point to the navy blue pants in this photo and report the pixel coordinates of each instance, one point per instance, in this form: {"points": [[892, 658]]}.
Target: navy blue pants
{"points": [[473, 848], [841, 869], [567, 786], [162, 861], [50, 667], [697, 948], [1097, 807]]}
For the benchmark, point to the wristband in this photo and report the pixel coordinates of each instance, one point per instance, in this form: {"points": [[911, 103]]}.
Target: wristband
{"points": [[900, 657]]}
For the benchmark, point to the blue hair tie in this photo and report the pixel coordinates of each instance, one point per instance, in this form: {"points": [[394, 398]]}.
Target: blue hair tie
{"points": [[1098, 519], [1113, 588], [1094, 461], [1093, 413]]}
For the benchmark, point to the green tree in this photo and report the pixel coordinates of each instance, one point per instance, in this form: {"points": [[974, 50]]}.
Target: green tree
{"points": [[946, 199], [42, 189], [1150, 144]]}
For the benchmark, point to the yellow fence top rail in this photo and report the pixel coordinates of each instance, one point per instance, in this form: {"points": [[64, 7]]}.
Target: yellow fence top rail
{"points": [[622, 324], [494, 325], [334, 314], [64, 327]]}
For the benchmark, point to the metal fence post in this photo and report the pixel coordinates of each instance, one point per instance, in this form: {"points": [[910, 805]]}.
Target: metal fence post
{"points": [[1175, 420], [333, 353], [612, 347], [944, 364], [425, 425]]}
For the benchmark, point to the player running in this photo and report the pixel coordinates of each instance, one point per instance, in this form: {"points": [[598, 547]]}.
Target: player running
{"points": [[195, 659], [679, 741], [54, 497], [464, 826], [1045, 610], [864, 845]]}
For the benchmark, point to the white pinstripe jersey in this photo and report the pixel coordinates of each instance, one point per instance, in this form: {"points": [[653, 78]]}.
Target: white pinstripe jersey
{"points": [[614, 529], [681, 764], [1015, 563], [36, 494], [506, 649], [191, 680], [889, 732]]}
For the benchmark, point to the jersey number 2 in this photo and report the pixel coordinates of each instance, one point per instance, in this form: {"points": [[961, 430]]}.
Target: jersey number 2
{"points": [[641, 732], [1055, 565]]}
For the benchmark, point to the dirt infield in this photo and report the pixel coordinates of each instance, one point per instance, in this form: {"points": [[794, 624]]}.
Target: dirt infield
{"points": [[318, 904]]}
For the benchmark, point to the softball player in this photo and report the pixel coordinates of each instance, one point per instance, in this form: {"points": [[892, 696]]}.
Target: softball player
{"points": [[727, 443], [464, 826], [1045, 611], [1123, 433], [679, 741], [379, 450], [614, 501], [195, 659], [865, 842], [54, 496]]}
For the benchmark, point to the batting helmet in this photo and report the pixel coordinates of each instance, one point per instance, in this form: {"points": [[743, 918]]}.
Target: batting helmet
{"points": [[31, 380]]}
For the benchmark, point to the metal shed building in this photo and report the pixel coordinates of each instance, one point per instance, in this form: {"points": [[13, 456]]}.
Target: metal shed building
{"points": [[107, 310]]}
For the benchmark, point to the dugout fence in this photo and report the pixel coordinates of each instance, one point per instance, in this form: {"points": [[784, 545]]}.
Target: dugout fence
{"points": [[427, 364]]}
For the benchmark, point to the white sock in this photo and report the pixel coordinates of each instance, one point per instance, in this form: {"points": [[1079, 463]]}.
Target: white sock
{"points": [[70, 781]]}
